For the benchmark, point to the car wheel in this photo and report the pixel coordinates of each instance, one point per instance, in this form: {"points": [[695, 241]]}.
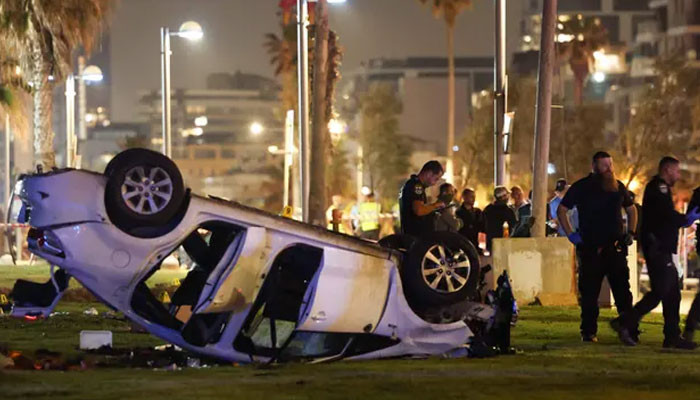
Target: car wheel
{"points": [[440, 269], [144, 190], [397, 242]]}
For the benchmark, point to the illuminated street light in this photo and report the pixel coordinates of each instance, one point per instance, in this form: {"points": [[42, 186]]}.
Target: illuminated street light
{"points": [[256, 128], [92, 73], [189, 30]]}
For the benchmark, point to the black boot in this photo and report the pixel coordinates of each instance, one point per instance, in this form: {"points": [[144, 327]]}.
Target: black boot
{"points": [[623, 332]]}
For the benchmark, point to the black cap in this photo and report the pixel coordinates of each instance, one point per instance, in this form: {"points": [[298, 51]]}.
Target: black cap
{"points": [[561, 185]]}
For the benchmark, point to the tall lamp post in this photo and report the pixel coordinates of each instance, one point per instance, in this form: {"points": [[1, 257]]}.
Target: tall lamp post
{"points": [[89, 74], [303, 87], [189, 30]]}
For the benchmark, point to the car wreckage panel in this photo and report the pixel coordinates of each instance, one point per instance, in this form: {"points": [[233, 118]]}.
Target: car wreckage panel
{"points": [[351, 293]]}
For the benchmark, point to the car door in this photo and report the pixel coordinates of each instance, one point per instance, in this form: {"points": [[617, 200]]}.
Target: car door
{"points": [[350, 293]]}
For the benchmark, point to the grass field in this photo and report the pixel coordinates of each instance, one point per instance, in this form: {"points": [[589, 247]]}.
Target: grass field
{"points": [[551, 364], [40, 273]]}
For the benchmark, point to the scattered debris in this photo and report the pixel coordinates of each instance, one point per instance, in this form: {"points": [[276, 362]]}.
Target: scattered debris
{"points": [[91, 311]]}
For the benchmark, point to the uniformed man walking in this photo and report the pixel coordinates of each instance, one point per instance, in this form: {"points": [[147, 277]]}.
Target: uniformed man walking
{"points": [[414, 209], [601, 243], [693, 319], [659, 239]]}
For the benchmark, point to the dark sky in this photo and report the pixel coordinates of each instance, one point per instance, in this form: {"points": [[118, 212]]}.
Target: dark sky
{"points": [[234, 32]]}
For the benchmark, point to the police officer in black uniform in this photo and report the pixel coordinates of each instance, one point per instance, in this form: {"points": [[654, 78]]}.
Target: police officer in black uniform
{"points": [[659, 239], [601, 243], [693, 319], [416, 214]]}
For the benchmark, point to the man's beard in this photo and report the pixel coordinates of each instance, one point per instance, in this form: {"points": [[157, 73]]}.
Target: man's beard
{"points": [[608, 181]]}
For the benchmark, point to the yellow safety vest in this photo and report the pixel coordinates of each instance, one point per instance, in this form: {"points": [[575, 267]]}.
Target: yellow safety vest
{"points": [[369, 216]]}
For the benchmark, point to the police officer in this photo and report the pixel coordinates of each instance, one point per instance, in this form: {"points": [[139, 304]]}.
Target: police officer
{"points": [[693, 319], [369, 218], [416, 213], [659, 239], [601, 244]]}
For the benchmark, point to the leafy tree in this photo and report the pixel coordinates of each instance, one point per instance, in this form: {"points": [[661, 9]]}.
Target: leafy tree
{"points": [[662, 121], [44, 34], [338, 175], [449, 10], [476, 147], [386, 152]]}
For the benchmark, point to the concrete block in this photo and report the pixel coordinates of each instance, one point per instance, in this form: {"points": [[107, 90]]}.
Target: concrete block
{"points": [[540, 268]]}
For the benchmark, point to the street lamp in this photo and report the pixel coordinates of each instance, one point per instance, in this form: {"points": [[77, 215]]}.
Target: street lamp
{"points": [[189, 30], [89, 74]]}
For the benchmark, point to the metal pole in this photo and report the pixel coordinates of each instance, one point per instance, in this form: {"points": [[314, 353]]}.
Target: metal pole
{"points": [[82, 100], [303, 83], [360, 172], [70, 120], [543, 117], [165, 88], [500, 93], [288, 153], [8, 175]]}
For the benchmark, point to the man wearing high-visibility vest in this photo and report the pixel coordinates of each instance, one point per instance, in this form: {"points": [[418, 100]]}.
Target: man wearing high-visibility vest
{"points": [[369, 218]]}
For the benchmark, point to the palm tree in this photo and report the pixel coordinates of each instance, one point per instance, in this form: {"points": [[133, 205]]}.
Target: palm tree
{"points": [[579, 38], [45, 34], [449, 10]]}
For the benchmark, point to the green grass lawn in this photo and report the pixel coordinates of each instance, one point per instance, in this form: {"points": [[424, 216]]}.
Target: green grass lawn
{"points": [[552, 364], [39, 272]]}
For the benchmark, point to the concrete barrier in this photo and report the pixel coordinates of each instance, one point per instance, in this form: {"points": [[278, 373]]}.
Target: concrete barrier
{"points": [[545, 268]]}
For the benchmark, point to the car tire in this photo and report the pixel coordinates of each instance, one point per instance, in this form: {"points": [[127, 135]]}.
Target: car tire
{"points": [[440, 269], [397, 242], [144, 190]]}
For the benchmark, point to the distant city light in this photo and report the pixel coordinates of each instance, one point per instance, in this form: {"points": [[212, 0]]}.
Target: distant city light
{"points": [[599, 77], [256, 128], [527, 38], [551, 169], [336, 126], [455, 148], [273, 149], [197, 131], [564, 38], [90, 117], [201, 121], [365, 191]]}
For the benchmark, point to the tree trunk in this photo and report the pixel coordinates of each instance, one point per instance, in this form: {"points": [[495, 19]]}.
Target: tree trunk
{"points": [[543, 118], [42, 95], [319, 127], [449, 168]]}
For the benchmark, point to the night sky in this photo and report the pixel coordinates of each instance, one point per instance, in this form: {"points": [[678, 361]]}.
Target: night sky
{"points": [[234, 33]]}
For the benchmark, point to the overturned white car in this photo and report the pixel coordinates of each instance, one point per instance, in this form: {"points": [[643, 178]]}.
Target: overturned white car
{"points": [[263, 288]]}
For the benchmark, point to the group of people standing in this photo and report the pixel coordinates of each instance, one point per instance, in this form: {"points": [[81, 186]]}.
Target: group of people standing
{"points": [[510, 213], [590, 214]]}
